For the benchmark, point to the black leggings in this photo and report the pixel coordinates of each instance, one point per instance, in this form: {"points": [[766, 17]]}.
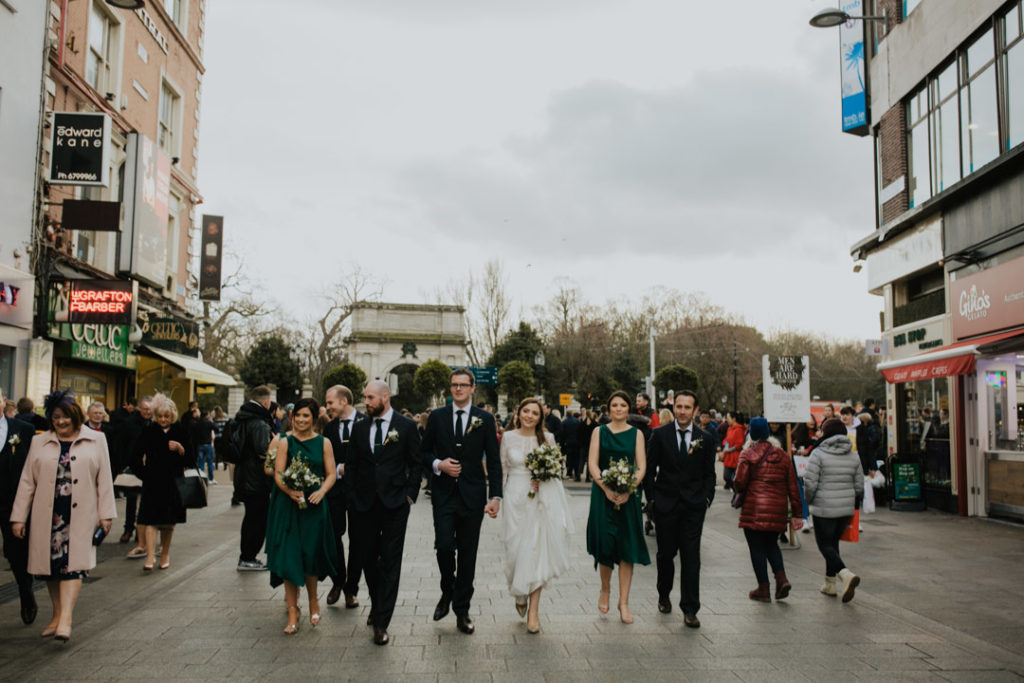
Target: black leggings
{"points": [[827, 531], [764, 550]]}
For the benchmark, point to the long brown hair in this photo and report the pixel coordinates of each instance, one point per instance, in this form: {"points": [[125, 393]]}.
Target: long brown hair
{"points": [[539, 427]]}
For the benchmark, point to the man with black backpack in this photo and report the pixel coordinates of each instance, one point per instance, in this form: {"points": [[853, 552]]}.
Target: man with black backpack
{"points": [[247, 439]]}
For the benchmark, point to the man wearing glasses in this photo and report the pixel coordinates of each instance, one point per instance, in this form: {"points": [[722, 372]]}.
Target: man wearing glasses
{"points": [[459, 438]]}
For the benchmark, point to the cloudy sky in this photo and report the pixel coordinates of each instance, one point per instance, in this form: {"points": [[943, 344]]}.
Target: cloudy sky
{"points": [[627, 145]]}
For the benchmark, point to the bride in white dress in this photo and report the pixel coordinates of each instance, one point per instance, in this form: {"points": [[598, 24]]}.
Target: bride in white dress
{"points": [[536, 529]]}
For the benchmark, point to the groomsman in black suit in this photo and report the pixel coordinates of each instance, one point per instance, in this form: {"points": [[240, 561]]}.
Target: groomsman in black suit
{"points": [[15, 439], [384, 471], [455, 444], [682, 456], [339, 403]]}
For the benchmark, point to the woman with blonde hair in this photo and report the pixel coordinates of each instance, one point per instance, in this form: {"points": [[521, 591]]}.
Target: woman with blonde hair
{"points": [[162, 452], [536, 515], [67, 492]]}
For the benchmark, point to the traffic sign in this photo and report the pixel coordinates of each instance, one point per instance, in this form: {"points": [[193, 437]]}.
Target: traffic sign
{"points": [[564, 399]]}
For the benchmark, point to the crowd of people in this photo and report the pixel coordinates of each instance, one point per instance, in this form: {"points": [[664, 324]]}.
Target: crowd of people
{"points": [[307, 475]]}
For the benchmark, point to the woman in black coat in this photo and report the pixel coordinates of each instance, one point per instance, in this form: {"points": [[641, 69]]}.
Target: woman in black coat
{"points": [[162, 452]]}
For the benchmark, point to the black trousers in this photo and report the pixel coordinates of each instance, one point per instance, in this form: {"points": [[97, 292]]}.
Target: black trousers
{"points": [[380, 536], [16, 552], [348, 572], [572, 460], [131, 507], [827, 531], [254, 525], [456, 538], [764, 550], [678, 532]]}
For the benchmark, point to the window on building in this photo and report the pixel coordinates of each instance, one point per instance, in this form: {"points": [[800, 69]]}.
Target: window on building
{"points": [[978, 104], [171, 262], [174, 10], [1013, 79], [99, 66], [909, 6], [918, 170], [170, 105], [945, 122]]}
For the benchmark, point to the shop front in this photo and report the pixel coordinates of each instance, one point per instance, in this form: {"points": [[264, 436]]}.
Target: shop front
{"points": [[918, 399], [95, 361], [16, 308], [988, 312]]}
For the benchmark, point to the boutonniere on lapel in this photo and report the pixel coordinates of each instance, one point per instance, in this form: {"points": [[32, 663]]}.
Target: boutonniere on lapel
{"points": [[14, 440], [474, 423], [694, 445], [391, 438]]}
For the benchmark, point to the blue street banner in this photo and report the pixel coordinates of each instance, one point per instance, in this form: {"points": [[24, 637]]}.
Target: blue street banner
{"points": [[852, 70]]}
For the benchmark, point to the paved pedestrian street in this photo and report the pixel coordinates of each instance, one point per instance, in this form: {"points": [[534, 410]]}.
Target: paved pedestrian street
{"points": [[941, 600]]}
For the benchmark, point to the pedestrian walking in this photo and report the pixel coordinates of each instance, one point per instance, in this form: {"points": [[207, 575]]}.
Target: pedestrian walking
{"points": [[615, 534], [767, 480], [202, 435], [300, 544], [832, 485], [65, 495], [732, 444], [252, 485], [162, 453], [682, 457]]}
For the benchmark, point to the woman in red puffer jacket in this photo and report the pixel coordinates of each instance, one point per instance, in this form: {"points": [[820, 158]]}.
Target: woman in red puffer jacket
{"points": [[767, 479]]}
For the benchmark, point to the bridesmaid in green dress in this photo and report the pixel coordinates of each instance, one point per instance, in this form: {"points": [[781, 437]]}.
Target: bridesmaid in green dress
{"points": [[300, 549], [616, 536]]}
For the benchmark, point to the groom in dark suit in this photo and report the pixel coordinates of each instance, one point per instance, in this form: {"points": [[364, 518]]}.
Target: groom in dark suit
{"points": [[339, 403], [15, 439], [456, 442], [681, 457], [384, 471]]}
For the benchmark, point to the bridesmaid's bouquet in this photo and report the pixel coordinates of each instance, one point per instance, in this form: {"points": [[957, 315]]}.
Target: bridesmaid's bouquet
{"points": [[299, 477], [620, 477], [545, 462]]}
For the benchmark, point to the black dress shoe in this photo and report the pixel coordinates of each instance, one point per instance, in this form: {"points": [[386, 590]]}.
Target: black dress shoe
{"points": [[369, 619], [465, 624], [380, 635], [350, 601], [691, 620], [664, 606], [334, 595], [29, 610], [443, 605]]}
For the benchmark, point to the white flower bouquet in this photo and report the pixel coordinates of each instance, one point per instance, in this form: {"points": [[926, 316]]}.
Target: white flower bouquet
{"points": [[545, 462], [620, 477], [299, 477]]}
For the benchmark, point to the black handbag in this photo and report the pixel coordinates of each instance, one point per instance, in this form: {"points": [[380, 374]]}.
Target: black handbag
{"points": [[192, 489]]}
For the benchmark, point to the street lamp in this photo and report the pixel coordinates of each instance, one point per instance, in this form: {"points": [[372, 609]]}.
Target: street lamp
{"points": [[539, 362], [828, 18]]}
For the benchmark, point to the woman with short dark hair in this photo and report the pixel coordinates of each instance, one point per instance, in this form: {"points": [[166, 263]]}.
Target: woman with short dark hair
{"points": [[67, 490]]}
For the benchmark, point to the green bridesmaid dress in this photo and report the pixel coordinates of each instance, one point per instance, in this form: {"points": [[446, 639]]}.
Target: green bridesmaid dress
{"points": [[300, 542], [615, 536]]}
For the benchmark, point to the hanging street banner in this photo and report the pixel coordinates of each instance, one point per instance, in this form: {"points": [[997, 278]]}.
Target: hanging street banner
{"points": [[80, 149], [147, 186], [851, 70], [787, 388], [210, 258]]}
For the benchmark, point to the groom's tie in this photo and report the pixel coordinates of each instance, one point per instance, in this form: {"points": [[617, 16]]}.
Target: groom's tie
{"points": [[344, 430], [378, 436], [458, 426]]}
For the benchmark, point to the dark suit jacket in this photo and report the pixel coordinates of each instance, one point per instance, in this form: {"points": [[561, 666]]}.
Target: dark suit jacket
{"points": [[478, 442], [392, 474], [332, 432], [12, 460], [674, 477]]}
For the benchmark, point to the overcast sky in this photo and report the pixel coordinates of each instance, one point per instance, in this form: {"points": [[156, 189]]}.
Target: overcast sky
{"points": [[625, 145]]}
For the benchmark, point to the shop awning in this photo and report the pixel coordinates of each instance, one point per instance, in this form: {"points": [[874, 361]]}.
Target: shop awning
{"points": [[193, 367], [947, 361]]}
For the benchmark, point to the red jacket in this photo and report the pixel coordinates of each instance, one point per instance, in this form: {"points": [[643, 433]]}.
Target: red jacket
{"points": [[734, 438], [767, 486]]}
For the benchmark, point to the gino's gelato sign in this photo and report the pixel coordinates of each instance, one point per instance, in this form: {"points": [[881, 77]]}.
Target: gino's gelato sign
{"points": [[989, 300]]}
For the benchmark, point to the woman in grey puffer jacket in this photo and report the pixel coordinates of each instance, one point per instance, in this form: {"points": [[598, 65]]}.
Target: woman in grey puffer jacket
{"points": [[832, 486]]}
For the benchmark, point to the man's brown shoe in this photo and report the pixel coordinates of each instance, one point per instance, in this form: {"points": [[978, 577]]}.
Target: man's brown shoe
{"points": [[334, 595], [350, 601], [691, 620], [380, 635]]}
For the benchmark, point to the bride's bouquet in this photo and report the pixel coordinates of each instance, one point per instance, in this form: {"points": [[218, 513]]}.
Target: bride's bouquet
{"points": [[620, 477], [298, 477], [545, 462]]}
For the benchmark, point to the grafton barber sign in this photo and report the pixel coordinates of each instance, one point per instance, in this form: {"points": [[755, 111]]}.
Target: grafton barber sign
{"points": [[109, 302]]}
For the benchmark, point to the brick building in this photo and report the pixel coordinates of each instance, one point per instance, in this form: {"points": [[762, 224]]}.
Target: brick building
{"points": [[142, 71], [946, 114]]}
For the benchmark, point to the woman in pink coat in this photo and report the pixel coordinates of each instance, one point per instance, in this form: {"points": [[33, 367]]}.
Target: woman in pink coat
{"points": [[65, 494]]}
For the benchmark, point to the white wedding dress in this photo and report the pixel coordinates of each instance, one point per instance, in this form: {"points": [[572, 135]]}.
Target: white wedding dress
{"points": [[536, 529]]}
